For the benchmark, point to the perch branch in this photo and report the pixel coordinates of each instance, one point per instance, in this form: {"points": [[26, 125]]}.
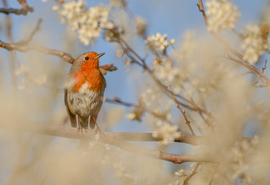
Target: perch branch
{"points": [[116, 139]]}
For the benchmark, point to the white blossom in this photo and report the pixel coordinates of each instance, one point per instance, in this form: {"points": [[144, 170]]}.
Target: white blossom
{"points": [[188, 46], [119, 53], [241, 151], [158, 42], [86, 22], [41, 80], [167, 132], [23, 85], [55, 8], [164, 70], [119, 169], [21, 70], [172, 41], [141, 25], [180, 172], [131, 116], [221, 15], [253, 45]]}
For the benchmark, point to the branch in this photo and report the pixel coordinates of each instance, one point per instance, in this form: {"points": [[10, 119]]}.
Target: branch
{"points": [[176, 159], [29, 39], [16, 11], [116, 139], [25, 8], [69, 132], [65, 56]]}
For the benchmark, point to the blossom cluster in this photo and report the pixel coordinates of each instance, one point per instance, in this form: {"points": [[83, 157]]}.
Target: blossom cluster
{"points": [[167, 132], [254, 44], [87, 22], [241, 151], [158, 42], [164, 70], [221, 15]]}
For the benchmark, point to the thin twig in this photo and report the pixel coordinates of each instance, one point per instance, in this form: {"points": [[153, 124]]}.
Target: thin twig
{"points": [[264, 68], [11, 56], [119, 101], [182, 111], [65, 56], [191, 175], [29, 39]]}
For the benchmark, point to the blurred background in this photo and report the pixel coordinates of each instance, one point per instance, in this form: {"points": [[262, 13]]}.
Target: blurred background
{"points": [[40, 159]]}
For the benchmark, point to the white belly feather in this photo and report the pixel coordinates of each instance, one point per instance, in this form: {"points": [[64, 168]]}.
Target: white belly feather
{"points": [[85, 103]]}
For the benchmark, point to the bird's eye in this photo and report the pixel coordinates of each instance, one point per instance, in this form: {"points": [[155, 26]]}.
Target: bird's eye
{"points": [[86, 58]]}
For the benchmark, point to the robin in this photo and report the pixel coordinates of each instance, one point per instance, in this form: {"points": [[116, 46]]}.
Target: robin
{"points": [[84, 90]]}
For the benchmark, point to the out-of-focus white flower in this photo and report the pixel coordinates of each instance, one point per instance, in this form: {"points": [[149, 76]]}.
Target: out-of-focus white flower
{"points": [[221, 15], [44, 1], [119, 169], [97, 137], [23, 85], [164, 70], [55, 8], [41, 80], [167, 132], [21, 70], [119, 53], [253, 45], [172, 41], [158, 42], [180, 173], [131, 116], [149, 97], [241, 151], [188, 46], [141, 25]]}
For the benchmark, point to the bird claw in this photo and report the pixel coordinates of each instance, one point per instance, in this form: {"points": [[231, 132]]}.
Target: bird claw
{"points": [[81, 129]]}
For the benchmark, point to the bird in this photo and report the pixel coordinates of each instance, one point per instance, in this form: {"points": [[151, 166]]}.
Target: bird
{"points": [[84, 90]]}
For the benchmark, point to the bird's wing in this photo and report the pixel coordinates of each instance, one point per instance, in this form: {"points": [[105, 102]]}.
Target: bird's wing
{"points": [[104, 84], [71, 116]]}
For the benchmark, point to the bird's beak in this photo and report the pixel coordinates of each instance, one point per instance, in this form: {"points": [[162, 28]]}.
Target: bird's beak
{"points": [[99, 55]]}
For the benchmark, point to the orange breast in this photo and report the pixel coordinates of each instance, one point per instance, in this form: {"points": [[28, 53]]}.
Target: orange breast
{"points": [[92, 77]]}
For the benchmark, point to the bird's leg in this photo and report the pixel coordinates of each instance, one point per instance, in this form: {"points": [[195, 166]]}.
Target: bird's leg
{"points": [[79, 124], [98, 129]]}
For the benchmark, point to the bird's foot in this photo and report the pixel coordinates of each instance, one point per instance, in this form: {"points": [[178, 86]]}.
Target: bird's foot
{"points": [[81, 129]]}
